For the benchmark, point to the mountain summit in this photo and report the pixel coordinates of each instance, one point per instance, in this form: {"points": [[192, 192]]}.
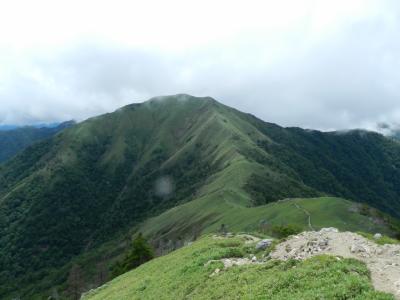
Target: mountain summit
{"points": [[176, 166]]}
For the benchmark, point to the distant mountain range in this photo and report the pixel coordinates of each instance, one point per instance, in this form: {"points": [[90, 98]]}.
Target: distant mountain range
{"points": [[7, 127], [174, 167], [14, 139]]}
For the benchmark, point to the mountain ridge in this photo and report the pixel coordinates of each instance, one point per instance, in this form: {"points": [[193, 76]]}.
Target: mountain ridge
{"points": [[74, 192]]}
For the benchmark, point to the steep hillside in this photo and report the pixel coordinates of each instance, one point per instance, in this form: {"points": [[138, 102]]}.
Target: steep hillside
{"points": [[201, 271], [14, 140], [194, 163], [358, 165]]}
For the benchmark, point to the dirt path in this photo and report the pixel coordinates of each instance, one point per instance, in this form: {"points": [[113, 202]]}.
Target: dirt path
{"points": [[382, 261], [307, 213], [249, 238]]}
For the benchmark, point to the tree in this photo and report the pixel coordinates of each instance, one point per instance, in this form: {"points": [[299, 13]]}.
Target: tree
{"points": [[102, 273], [223, 229], [283, 231], [75, 282], [264, 225], [117, 269], [140, 253], [54, 294]]}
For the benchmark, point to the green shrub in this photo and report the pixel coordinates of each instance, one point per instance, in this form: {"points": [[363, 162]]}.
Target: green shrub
{"points": [[140, 253], [283, 231], [381, 241]]}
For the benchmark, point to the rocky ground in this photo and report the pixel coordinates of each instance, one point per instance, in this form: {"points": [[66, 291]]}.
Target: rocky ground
{"points": [[382, 260]]}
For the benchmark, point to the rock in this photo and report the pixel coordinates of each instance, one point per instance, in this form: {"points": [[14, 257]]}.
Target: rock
{"points": [[242, 261], [323, 243], [263, 244], [357, 249], [216, 271], [210, 262], [230, 262], [329, 229], [254, 259], [383, 261], [397, 283], [227, 263], [377, 236]]}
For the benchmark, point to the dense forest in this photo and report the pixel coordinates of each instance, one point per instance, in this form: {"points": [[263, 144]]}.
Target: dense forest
{"points": [[15, 139]]}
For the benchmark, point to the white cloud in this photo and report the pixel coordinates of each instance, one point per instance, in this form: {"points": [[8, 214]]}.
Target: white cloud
{"points": [[320, 64]]}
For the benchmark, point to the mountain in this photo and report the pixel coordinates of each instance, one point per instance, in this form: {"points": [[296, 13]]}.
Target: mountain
{"points": [[7, 127], [175, 167], [15, 139], [395, 134]]}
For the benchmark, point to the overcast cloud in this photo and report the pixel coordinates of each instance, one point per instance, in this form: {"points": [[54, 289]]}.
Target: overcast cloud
{"points": [[316, 64]]}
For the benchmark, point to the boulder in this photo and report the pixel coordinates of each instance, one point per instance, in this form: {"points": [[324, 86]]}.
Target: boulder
{"points": [[329, 229], [357, 249], [264, 244], [377, 236], [323, 243]]}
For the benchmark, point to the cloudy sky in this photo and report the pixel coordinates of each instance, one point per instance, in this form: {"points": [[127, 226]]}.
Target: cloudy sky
{"points": [[316, 64]]}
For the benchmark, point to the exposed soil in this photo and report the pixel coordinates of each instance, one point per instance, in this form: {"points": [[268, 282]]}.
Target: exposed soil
{"points": [[383, 261]]}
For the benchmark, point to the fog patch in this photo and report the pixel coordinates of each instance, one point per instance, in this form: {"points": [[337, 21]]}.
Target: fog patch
{"points": [[164, 186]]}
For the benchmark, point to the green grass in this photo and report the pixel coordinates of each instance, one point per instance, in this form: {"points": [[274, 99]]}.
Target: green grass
{"points": [[63, 199], [381, 241], [183, 275], [221, 208]]}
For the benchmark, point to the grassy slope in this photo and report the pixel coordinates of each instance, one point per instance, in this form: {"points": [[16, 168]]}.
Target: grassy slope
{"points": [[182, 275], [208, 213], [211, 151], [187, 140]]}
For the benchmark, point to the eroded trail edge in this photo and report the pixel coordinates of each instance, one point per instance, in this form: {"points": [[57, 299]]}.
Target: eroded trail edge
{"points": [[383, 261]]}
